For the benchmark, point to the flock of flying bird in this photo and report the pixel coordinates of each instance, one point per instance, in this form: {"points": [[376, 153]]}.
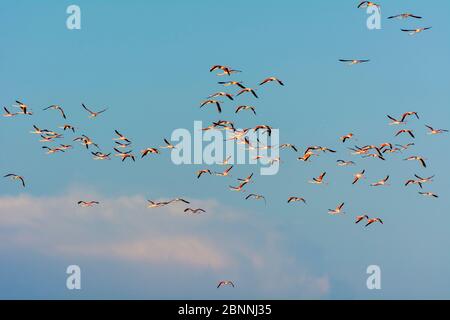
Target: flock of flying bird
{"points": [[122, 143]]}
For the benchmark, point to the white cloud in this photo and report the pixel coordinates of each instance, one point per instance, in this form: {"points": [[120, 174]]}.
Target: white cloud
{"points": [[188, 250], [222, 240]]}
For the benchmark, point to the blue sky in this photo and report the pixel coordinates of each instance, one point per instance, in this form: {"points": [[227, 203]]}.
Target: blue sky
{"points": [[148, 63]]}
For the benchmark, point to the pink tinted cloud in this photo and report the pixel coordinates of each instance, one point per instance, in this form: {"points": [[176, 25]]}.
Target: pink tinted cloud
{"points": [[125, 230]]}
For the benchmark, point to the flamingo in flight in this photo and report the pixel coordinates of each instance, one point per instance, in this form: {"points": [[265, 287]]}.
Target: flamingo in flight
{"points": [[179, 200], [319, 179], [374, 155], [337, 210], [197, 210], [370, 221], [221, 94], [346, 137], [381, 182], [408, 114], [86, 141], [53, 150], [320, 148], [65, 147], [224, 123], [8, 114], [393, 150], [232, 83], [15, 177], [210, 101], [225, 173], [411, 181], [122, 145], [240, 108], [121, 137], [429, 194], [56, 107], [366, 4], [359, 151], [226, 70], [46, 139], [256, 197], [361, 218], [203, 171], [413, 32], [424, 180], [39, 131], [405, 131], [247, 179], [404, 16], [358, 176], [87, 204], [93, 114], [53, 135], [373, 147], [168, 145], [420, 159], [155, 204], [124, 155], [24, 108], [288, 145], [270, 79], [239, 188], [435, 131], [225, 283], [352, 62], [296, 199], [343, 163], [225, 162], [101, 156], [250, 90], [148, 151], [229, 72], [264, 127], [385, 145], [395, 121], [68, 127], [405, 147]]}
